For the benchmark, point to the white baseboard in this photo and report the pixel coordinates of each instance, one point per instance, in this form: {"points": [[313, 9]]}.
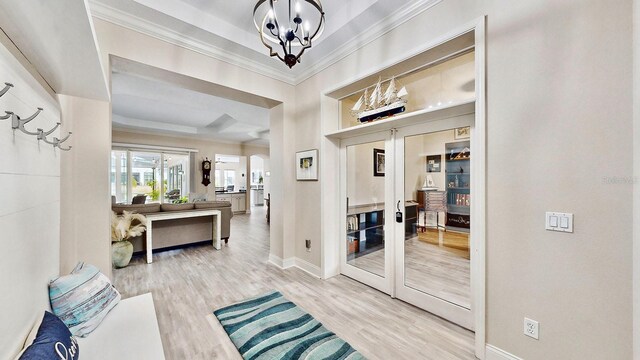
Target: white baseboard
{"points": [[276, 260], [288, 263], [295, 262], [308, 267], [494, 353]]}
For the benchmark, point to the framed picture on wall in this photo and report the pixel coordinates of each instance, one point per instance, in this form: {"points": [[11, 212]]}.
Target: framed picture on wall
{"points": [[378, 162], [462, 133], [307, 165], [434, 163]]}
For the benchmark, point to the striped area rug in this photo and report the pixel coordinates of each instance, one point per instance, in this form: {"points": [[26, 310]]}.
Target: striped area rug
{"points": [[270, 327]]}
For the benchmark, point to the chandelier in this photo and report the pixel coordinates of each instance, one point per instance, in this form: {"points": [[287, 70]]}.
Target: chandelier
{"points": [[284, 31]]}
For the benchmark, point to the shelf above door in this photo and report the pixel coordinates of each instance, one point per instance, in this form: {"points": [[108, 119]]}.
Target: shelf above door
{"points": [[437, 113]]}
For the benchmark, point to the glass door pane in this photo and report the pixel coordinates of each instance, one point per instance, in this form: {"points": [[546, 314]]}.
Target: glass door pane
{"points": [[176, 169], [437, 178], [366, 220], [145, 176]]}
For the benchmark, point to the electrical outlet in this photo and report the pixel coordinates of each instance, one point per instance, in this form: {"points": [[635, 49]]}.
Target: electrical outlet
{"points": [[531, 328]]}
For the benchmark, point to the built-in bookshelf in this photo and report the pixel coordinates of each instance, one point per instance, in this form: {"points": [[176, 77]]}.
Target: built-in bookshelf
{"points": [[458, 180], [365, 228]]}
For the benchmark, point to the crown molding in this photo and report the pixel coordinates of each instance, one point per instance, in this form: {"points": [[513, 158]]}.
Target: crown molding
{"points": [[373, 32], [135, 23], [369, 35]]}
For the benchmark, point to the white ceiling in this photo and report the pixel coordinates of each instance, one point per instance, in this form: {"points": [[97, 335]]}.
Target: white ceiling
{"points": [[224, 29], [153, 106]]}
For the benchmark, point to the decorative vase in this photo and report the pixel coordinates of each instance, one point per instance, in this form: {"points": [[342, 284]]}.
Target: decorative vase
{"points": [[121, 252]]}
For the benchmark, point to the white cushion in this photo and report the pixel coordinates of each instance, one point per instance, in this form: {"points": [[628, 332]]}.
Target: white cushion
{"points": [[130, 331]]}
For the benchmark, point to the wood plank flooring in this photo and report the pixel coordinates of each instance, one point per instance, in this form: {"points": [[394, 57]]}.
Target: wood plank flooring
{"points": [[438, 270], [188, 284]]}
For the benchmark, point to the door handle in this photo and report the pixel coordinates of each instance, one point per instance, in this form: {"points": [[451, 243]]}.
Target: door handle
{"points": [[398, 213], [398, 205]]}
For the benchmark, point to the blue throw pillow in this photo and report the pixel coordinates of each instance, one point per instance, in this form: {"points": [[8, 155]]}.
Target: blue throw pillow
{"points": [[83, 298], [53, 341]]}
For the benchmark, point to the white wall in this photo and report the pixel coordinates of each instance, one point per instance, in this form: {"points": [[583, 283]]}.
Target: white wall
{"points": [[362, 187], [636, 179], [86, 195], [30, 206], [558, 121]]}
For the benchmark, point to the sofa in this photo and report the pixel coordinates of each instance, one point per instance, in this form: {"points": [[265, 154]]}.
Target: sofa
{"points": [[178, 232]]}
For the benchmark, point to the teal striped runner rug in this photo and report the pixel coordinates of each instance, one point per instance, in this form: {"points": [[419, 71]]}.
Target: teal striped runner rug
{"points": [[270, 327]]}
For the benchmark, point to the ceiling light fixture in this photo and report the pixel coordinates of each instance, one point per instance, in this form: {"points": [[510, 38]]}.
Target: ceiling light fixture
{"points": [[291, 33]]}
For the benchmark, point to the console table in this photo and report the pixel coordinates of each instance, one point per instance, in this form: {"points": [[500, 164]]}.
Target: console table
{"points": [[215, 215]]}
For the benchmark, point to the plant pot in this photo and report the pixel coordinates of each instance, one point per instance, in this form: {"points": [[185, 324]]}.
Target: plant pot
{"points": [[121, 253]]}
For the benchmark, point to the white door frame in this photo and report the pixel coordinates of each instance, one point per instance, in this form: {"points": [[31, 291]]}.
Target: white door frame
{"points": [[433, 304], [384, 284], [330, 155]]}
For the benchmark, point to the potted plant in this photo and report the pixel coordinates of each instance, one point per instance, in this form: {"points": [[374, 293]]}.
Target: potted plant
{"points": [[123, 229]]}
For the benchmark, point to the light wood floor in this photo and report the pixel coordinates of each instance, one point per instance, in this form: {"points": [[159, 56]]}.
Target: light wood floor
{"points": [[188, 284], [431, 265]]}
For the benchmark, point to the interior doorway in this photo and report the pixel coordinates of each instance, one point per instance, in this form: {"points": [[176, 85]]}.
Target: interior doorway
{"points": [[408, 195], [258, 180]]}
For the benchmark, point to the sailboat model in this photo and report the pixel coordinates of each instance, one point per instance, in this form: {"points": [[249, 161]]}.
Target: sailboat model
{"points": [[379, 105]]}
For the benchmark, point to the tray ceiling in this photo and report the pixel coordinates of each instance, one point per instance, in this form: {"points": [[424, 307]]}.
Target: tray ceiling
{"points": [[224, 29]]}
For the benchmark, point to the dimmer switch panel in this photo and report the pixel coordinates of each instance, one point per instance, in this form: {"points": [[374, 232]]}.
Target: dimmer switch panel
{"points": [[562, 222]]}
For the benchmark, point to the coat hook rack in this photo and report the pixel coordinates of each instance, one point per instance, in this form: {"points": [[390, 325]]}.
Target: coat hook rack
{"points": [[18, 123], [6, 88], [9, 113], [43, 134], [56, 142], [60, 141]]}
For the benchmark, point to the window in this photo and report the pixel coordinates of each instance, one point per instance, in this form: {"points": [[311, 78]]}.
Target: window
{"points": [[162, 177], [229, 178], [119, 171]]}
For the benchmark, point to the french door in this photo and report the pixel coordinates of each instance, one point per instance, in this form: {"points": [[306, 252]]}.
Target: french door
{"points": [[407, 214], [366, 252]]}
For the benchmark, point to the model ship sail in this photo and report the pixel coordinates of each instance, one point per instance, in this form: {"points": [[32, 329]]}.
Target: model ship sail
{"points": [[390, 94], [402, 94], [376, 95], [360, 103], [378, 105]]}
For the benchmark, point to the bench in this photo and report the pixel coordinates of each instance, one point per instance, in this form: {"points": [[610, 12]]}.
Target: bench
{"points": [[129, 331]]}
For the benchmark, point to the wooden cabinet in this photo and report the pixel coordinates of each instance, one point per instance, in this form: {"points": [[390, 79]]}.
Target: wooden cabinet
{"points": [[238, 201]]}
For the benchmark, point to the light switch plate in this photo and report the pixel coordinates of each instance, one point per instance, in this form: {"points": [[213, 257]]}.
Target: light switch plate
{"points": [[556, 221]]}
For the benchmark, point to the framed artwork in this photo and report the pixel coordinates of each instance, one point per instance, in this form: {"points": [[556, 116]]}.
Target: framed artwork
{"points": [[434, 163], [462, 133], [378, 162], [307, 165]]}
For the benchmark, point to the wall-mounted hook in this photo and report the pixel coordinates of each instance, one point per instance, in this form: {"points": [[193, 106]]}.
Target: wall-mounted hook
{"points": [[6, 88], [42, 134], [18, 123], [60, 141], [24, 121], [56, 142], [9, 113]]}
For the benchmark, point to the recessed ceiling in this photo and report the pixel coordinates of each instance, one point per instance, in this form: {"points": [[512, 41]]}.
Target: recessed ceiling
{"points": [[153, 106], [224, 29]]}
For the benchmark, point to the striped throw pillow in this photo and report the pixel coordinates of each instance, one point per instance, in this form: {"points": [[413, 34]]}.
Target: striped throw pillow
{"points": [[83, 298]]}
